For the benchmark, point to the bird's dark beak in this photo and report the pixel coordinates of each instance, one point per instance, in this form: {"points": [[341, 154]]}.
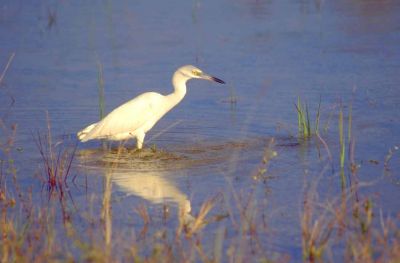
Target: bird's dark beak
{"points": [[208, 77], [217, 80]]}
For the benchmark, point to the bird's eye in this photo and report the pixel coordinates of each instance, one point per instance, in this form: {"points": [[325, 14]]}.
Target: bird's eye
{"points": [[196, 72]]}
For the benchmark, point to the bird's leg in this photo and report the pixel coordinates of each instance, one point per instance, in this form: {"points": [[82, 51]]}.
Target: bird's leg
{"points": [[140, 139], [122, 146]]}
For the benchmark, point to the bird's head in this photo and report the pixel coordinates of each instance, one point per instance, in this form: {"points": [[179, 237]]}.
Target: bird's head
{"points": [[190, 72]]}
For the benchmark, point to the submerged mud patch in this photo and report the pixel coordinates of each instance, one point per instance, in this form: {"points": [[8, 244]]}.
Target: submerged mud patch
{"points": [[199, 154]]}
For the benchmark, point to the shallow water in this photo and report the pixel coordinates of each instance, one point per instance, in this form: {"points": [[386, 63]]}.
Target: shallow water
{"points": [[269, 52]]}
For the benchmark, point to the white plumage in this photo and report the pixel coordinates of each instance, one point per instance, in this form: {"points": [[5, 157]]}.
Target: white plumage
{"points": [[137, 116]]}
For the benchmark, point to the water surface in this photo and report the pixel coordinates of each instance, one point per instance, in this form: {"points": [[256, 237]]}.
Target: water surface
{"points": [[269, 52]]}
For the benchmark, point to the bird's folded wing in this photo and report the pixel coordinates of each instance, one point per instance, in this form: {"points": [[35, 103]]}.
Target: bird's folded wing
{"points": [[126, 118]]}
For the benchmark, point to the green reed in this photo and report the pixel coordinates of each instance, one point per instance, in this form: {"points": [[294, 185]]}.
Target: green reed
{"points": [[304, 121]]}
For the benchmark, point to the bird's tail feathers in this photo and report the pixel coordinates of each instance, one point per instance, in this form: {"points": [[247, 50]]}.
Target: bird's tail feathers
{"points": [[82, 134]]}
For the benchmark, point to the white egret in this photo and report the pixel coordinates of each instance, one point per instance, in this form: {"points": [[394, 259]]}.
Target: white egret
{"points": [[136, 117]]}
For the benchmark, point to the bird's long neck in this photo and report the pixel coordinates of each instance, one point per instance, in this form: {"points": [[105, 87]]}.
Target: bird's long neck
{"points": [[179, 82]]}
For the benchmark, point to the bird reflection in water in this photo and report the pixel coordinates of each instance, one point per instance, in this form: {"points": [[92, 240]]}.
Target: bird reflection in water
{"points": [[154, 187], [144, 174]]}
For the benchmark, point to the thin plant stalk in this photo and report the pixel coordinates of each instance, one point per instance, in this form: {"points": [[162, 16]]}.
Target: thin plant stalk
{"points": [[342, 148], [6, 67], [100, 81], [308, 127], [318, 117], [341, 139], [106, 213], [350, 123], [299, 115]]}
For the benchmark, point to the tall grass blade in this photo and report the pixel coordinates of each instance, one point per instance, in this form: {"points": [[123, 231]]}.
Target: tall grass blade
{"points": [[341, 138], [350, 123], [100, 81], [318, 116], [10, 59], [299, 117], [308, 129]]}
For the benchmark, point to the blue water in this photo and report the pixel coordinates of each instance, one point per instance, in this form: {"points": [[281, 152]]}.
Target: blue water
{"points": [[268, 52]]}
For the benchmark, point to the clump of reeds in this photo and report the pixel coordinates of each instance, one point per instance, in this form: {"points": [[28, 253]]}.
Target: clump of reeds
{"points": [[56, 159], [316, 226], [351, 223], [346, 142], [305, 129]]}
